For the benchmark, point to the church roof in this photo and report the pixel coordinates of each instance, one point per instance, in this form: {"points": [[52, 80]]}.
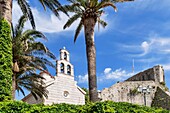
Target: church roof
{"points": [[47, 73]]}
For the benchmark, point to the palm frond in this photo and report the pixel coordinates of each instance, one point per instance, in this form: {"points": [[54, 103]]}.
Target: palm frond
{"points": [[45, 61], [72, 1], [93, 3], [79, 27], [102, 23], [83, 3], [36, 46], [51, 55], [19, 89], [53, 5], [19, 27], [42, 3], [70, 8], [116, 1], [25, 7], [71, 20], [32, 34], [106, 4]]}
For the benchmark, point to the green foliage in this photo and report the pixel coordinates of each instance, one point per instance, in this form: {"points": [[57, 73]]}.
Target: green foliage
{"points": [[5, 61], [87, 100], [99, 107]]}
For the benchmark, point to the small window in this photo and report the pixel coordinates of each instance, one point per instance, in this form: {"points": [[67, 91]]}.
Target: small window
{"points": [[62, 67], [68, 69], [66, 94], [65, 56]]}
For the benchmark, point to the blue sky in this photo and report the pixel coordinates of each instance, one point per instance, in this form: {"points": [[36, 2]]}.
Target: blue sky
{"points": [[140, 30]]}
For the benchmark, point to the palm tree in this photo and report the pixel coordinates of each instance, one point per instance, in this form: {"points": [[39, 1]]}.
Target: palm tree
{"points": [[6, 13], [28, 57], [89, 13], [6, 8]]}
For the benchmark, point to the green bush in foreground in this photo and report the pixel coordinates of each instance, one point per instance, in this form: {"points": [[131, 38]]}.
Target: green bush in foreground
{"points": [[5, 61], [99, 107]]}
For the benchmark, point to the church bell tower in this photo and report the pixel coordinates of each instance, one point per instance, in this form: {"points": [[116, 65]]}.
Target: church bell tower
{"points": [[64, 67]]}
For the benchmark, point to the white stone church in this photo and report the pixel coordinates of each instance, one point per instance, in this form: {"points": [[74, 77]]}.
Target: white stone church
{"points": [[63, 89]]}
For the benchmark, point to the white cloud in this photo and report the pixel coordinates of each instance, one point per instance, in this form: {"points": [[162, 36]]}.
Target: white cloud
{"points": [[154, 45], [47, 23], [107, 74], [166, 67], [145, 46], [107, 70], [117, 74], [161, 41], [83, 78]]}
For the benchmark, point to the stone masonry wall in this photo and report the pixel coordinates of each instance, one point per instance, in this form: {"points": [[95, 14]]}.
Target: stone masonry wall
{"points": [[128, 92], [143, 76], [162, 99], [155, 74]]}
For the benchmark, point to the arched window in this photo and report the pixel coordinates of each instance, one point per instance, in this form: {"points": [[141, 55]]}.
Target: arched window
{"points": [[68, 69], [65, 56], [62, 67]]}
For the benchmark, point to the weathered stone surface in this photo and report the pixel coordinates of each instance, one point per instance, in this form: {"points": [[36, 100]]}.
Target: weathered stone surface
{"points": [[155, 74], [162, 99], [128, 91]]}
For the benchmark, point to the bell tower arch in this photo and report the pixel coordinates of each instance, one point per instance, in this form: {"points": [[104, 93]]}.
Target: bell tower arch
{"points": [[64, 67]]}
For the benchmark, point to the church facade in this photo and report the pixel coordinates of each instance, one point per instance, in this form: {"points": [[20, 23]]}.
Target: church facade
{"points": [[63, 88]]}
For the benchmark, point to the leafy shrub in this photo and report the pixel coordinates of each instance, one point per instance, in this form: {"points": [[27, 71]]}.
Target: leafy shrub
{"points": [[5, 61], [99, 107]]}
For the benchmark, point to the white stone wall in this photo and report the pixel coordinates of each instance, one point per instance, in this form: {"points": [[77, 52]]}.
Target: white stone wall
{"points": [[62, 83], [120, 92], [59, 85]]}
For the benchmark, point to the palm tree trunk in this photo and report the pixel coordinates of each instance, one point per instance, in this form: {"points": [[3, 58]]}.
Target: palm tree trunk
{"points": [[6, 10], [13, 85], [89, 25]]}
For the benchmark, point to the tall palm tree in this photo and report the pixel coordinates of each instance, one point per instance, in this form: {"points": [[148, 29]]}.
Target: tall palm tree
{"points": [[29, 55], [89, 13]]}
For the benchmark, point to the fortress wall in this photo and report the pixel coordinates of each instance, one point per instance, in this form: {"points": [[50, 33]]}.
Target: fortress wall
{"points": [[162, 99], [155, 74], [128, 92]]}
